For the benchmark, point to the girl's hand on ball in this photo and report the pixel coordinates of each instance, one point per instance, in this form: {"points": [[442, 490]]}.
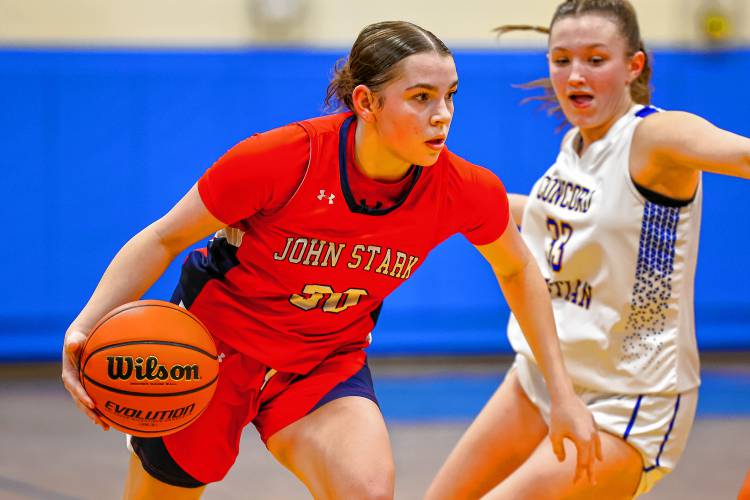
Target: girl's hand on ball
{"points": [[74, 340]]}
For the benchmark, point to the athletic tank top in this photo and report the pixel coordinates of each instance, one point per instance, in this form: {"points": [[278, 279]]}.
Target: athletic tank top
{"points": [[307, 280], [620, 269]]}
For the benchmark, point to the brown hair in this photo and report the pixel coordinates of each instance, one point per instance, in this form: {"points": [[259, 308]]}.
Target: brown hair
{"points": [[619, 11], [374, 58]]}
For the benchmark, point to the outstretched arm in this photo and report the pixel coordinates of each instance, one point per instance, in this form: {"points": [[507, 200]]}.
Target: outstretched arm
{"points": [[528, 297], [133, 270], [671, 147]]}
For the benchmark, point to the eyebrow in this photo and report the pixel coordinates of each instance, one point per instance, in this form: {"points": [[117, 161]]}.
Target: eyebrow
{"points": [[591, 46], [429, 86]]}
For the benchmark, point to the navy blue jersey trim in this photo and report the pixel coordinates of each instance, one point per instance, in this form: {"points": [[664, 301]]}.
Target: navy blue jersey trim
{"points": [[375, 314], [359, 384], [632, 418], [199, 269], [415, 172]]}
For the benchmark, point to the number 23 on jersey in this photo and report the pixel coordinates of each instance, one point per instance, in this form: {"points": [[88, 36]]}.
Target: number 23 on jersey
{"points": [[560, 233]]}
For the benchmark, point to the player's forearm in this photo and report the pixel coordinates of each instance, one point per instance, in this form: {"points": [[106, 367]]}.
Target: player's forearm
{"points": [[133, 270], [528, 298]]}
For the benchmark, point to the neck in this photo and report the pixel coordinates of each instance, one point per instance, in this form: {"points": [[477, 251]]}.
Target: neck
{"points": [[375, 160], [593, 134]]}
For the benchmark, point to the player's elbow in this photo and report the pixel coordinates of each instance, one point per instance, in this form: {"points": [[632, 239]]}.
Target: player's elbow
{"points": [[169, 242]]}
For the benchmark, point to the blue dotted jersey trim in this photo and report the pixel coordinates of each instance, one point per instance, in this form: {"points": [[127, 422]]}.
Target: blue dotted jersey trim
{"points": [[653, 282]]}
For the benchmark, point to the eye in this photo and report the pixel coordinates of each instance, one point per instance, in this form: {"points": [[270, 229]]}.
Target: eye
{"points": [[560, 61], [596, 60], [421, 97], [451, 94]]}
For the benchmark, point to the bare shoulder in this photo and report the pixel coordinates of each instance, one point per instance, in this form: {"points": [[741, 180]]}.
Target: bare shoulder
{"points": [[680, 142], [667, 126]]}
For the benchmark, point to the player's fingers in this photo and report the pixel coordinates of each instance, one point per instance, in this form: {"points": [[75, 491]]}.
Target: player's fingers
{"points": [[590, 465], [557, 446], [93, 415], [586, 454], [598, 446], [583, 459], [89, 413], [101, 423], [74, 387]]}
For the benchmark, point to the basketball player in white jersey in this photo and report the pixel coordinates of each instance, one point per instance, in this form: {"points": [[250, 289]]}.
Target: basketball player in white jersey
{"points": [[614, 226]]}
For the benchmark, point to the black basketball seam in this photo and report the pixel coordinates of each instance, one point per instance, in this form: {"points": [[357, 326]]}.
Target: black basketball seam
{"points": [[170, 430], [155, 342], [148, 394], [133, 305]]}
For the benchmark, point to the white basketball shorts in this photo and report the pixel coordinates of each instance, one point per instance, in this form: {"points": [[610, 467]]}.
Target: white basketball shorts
{"points": [[657, 425]]}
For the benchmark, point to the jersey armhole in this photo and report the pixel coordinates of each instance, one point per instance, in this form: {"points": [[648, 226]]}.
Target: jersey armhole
{"points": [[642, 193], [662, 200]]}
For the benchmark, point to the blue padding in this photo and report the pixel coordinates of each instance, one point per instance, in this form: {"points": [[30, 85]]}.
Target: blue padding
{"points": [[460, 396], [98, 144]]}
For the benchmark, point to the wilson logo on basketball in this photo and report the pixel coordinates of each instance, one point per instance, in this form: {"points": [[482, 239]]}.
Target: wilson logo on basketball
{"points": [[125, 367]]}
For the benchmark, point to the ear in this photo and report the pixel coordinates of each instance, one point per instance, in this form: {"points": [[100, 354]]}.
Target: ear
{"points": [[635, 65], [365, 102]]}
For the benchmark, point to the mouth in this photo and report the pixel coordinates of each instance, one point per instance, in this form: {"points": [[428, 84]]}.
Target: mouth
{"points": [[436, 143], [580, 100]]}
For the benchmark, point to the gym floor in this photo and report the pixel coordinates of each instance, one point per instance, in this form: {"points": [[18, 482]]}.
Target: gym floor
{"points": [[49, 451]]}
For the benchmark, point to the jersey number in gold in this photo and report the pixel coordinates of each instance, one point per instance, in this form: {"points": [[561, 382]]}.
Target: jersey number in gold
{"points": [[333, 302]]}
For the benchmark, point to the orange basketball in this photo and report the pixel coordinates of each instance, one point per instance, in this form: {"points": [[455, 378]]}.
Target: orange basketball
{"points": [[150, 367]]}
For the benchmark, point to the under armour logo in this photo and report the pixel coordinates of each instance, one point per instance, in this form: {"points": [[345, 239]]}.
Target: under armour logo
{"points": [[329, 197], [221, 357]]}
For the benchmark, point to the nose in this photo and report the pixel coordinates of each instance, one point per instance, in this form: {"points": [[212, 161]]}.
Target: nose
{"points": [[442, 114], [576, 76]]}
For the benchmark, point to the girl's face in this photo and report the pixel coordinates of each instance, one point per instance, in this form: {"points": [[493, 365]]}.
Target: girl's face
{"points": [[591, 71], [414, 110]]}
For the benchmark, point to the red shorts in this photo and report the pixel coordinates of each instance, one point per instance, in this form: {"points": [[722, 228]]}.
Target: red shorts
{"points": [[207, 448]]}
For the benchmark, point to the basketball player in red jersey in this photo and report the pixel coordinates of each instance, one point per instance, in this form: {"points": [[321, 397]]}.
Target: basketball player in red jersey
{"points": [[318, 222]]}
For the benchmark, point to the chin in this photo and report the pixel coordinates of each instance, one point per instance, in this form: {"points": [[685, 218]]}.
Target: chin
{"points": [[583, 121], [428, 161]]}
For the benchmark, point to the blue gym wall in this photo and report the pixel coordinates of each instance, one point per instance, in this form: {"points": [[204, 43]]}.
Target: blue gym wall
{"points": [[97, 144]]}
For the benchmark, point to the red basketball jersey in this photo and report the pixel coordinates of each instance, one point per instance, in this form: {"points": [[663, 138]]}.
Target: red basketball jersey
{"points": [[309, 276]]}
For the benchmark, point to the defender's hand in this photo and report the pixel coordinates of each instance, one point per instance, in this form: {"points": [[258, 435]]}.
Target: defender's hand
{"points": [[570, 419]]}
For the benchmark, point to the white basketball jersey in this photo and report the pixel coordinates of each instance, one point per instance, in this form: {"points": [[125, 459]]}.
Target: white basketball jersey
{"points": [[620, 270]]}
